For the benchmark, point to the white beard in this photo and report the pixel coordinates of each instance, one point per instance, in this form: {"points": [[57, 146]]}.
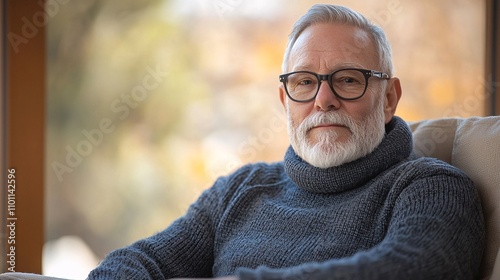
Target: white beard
{"points": [[328, 152]]}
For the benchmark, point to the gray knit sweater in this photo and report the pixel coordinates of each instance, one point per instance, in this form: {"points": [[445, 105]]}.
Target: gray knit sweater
{"points": [[388, 215]]}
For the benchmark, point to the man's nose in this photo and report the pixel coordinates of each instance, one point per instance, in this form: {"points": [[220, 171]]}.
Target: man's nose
{"points": [[326, 99]]}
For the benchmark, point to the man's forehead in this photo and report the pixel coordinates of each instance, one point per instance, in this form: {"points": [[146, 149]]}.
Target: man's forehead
{"points": [[308, 65], [345, 44], [334, 33]]}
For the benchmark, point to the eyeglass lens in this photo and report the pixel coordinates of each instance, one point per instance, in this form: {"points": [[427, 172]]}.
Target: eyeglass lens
{"points": [[347, 84]]}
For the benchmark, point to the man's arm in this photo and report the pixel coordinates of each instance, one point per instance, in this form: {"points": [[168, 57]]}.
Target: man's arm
{"points": [[184, 249], [436, 232], [217, 278]]}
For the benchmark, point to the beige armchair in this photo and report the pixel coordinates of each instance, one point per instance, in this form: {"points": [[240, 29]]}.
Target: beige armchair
{"points": [[471, 144]]}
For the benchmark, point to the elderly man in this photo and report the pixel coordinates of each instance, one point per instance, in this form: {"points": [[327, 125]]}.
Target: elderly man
{"points": [[349, 200]]}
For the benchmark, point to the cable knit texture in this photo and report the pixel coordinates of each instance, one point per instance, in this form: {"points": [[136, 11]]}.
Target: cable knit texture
{"points": [[388, 215]]}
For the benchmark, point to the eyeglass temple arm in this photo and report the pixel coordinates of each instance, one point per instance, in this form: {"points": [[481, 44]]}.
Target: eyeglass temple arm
{"points": [[380, 75]]}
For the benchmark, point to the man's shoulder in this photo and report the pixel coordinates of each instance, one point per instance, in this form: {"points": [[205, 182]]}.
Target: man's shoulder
{"points": [[429, 167], [256, 175], [259, 173]]}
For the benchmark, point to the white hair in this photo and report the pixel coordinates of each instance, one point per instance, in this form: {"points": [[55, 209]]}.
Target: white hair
{"points": [[324, 13]]}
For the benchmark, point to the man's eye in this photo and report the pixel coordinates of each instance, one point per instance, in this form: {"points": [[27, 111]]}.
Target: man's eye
{"points": [[306, 82], [349, 80]]}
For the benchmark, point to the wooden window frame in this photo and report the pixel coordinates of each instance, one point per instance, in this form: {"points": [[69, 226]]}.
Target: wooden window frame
{"points": [[23, 128], [492, 58]]}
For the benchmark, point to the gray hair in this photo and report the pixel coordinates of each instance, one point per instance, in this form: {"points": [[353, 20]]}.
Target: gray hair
{"points": [[324, 13]]}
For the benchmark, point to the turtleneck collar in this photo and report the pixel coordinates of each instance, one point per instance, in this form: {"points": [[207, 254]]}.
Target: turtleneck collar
{"points": [[396, 146]]}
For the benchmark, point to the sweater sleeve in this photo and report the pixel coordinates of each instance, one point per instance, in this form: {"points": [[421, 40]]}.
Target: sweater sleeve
{"points": [[436, 232], [184, 249]]}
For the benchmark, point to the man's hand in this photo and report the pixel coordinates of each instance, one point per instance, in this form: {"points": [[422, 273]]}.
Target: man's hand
{"points": [[217, 278]]}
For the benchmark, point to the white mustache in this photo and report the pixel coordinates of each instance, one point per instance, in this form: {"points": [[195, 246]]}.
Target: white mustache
{"points": [[320, 118]]}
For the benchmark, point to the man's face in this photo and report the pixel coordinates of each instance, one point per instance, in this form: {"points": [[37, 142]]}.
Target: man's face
{"points": [[329, 131]]}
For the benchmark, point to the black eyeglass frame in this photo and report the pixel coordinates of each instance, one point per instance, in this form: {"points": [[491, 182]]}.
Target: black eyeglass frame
{"points": [[328, 77]]}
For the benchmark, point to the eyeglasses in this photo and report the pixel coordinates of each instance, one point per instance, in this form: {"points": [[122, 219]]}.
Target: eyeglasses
{"points": [[346, 84]]}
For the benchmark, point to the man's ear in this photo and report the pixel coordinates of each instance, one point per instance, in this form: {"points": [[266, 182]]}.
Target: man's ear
{"points": [[392, 96], [282, 96]]}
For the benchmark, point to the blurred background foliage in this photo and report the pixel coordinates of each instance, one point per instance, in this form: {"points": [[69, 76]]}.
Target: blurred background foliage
{"points": [[210, 104]]}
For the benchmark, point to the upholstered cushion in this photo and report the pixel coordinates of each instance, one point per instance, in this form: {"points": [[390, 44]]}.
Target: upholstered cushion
{"points": [[26, 276], [473, 145]]}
